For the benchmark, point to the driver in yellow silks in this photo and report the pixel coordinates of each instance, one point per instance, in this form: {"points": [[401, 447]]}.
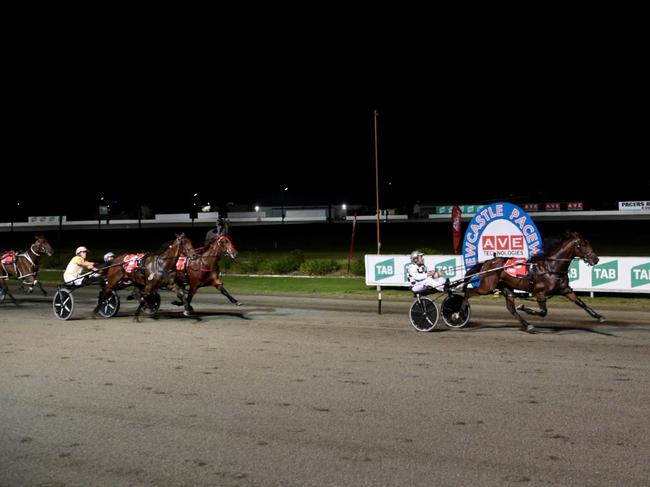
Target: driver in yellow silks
{"points": [[77, 266]]}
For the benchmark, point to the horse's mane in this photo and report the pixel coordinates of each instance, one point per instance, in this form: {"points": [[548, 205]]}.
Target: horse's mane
{"points": [[164, 246], [553, 243]]}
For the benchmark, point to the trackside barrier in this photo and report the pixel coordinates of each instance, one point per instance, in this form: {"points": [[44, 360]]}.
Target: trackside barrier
{"points": [[612, 274]]}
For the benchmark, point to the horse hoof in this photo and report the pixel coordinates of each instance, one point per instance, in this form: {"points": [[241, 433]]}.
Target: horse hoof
{"points": [[237, 303], [602, 319], [186, 313], [520, 307], [530, 329], [177, 303]]}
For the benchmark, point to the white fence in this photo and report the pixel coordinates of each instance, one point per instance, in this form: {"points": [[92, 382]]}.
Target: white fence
{"points": [[612, 274]]}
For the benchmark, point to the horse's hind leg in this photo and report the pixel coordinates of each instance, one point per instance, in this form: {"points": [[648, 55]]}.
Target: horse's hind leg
{"points": [[228, 295], [541, 302], [40, 286], [510, 304], [5, 290], [572, 297]]}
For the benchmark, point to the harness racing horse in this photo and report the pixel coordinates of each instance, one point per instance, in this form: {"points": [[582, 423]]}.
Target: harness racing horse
{"points": [[23, 266], [548, 276], [204, 271], [155, 271]]}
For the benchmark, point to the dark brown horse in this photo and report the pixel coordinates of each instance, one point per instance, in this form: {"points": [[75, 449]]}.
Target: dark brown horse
{"points": [[24, 266], [547, 276], [155, 271], [204, 271]]}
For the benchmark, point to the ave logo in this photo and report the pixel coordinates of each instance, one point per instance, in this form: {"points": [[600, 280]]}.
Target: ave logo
{"points": [[495, 243], [604, 273], [384, 269]]}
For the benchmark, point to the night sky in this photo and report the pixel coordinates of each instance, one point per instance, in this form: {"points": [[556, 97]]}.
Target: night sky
{"points": [[158, 128]]}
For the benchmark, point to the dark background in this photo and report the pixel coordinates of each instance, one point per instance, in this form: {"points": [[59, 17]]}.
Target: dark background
{"points": [[151, 123]]}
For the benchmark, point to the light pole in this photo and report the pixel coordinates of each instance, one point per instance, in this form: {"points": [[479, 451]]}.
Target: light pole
{"points": [[376, 114], [193, 212], [286, 188], [100, 200]]}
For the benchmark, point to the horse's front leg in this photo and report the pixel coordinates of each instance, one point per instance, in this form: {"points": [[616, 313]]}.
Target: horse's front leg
{"points": [[510, 304], [572, 297], [188, 300], [181, 295]]}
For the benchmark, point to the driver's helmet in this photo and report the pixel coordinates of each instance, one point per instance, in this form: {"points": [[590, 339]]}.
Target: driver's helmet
{"points": [[108, 256], [80, 249], [415, 254]]}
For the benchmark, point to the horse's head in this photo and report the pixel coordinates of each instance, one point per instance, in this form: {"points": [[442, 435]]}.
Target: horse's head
{"points": [[583, 249], [224, 246], [42, 246], [185, 244]]}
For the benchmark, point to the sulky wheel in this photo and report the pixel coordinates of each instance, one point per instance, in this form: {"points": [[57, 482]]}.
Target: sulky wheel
{"points": [[109, 305], [3, 294], [63, 304], [456, 311], [423, 314], [151, 305]]}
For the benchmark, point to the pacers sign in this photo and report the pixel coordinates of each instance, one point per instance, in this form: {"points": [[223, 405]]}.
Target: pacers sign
{"points": [[501, 230]]}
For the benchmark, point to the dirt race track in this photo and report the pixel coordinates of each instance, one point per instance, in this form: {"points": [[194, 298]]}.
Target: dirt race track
{"points": [[321, 392]]}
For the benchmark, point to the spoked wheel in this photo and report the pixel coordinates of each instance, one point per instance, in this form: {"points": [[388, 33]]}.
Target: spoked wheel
{"points": [[3, 294], [456, 311], [109, 305], [151, 307], [63, 304], [424, 314]]}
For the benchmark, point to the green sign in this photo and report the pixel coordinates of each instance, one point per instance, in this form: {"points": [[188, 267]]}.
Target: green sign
{"points": [[574, 271], [448, 266], [466, 209], [604, 273], [640, 275], [384, 269]]}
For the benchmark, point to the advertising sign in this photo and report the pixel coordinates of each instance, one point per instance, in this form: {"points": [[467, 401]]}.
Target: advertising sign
{"points": [[612, 274], [634, 205]]}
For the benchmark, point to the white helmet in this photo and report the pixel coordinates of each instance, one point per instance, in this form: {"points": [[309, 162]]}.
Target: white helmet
{"points": [[108, 256], [415, 254], [80, 249]]}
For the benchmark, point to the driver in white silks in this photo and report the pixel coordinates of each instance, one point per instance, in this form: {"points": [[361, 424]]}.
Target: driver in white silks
{"points": [[422, 279]]}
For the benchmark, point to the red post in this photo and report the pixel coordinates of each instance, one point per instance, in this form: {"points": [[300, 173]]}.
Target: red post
{"points": [[456, 217]]}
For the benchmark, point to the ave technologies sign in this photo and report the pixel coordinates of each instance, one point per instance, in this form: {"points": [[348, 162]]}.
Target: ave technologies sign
{"points": [[501, 230]]}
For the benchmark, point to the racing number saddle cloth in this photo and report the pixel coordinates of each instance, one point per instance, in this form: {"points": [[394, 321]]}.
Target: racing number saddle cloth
{"points": [[132, 262], [8, 257], [516, 267]]}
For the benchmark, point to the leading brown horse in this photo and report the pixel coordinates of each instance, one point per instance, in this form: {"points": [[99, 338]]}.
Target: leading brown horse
{"points": [[204, 271], [23, 266], [548, 276], [156, 271]]}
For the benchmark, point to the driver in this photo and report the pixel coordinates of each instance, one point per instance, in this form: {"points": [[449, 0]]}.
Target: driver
{"points": [[77, 266], [422, 279]]}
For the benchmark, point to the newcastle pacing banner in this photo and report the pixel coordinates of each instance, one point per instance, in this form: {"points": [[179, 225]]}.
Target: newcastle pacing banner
{"points": [[500, 230]]}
